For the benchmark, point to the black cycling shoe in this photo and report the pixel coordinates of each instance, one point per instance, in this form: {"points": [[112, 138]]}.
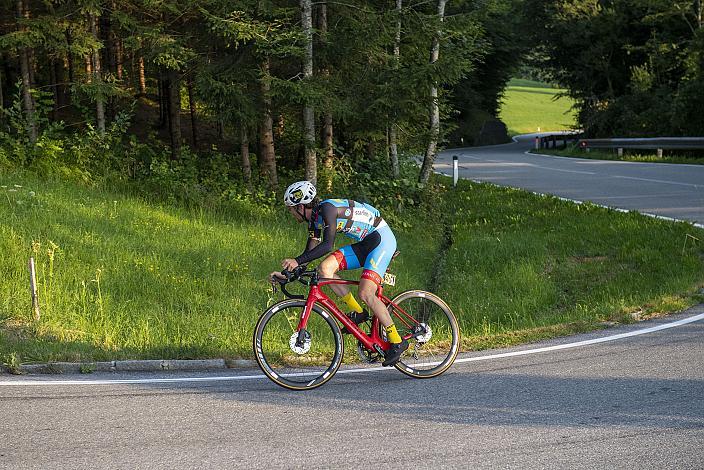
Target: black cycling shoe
{"points": [[394, 353], [357, 318]]}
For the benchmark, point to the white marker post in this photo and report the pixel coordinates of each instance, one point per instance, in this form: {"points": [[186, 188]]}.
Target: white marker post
{"points": [[455, 171], [33, 288]]}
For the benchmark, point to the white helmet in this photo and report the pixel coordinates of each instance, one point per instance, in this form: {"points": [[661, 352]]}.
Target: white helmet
{"points": [[300, 192]]}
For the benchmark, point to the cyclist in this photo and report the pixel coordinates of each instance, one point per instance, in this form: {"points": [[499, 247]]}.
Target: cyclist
{"points": [[375, 245]]}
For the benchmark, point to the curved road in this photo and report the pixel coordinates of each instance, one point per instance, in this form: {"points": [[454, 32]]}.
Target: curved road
{"points": [[624, 401], [668, 190], [633, 402]]}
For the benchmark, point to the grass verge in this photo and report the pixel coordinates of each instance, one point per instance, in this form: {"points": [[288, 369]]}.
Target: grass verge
{"points": [[123, 277], [520, 262], [628, 155]]}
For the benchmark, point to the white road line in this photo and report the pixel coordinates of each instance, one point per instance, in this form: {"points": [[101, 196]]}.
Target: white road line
{"points": [[657, 181], [577, 344], [588, 341]]}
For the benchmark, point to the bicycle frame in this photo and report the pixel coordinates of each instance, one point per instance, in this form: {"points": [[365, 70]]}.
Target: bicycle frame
{"points": [[315, 295]]}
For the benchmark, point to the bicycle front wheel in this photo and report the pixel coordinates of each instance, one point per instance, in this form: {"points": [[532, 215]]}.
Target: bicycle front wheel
{"points": [[293, 360], [435, 335]]}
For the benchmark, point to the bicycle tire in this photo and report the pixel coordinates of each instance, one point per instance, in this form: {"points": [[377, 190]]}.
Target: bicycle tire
{"points": [[302, 369], [426, 359]]}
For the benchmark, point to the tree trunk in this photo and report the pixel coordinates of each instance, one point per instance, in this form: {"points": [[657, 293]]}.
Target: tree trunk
{"points": [[174, 91], [329, 154], [60, 73], [431, 151], [32, 64], [69, 60], [192, 107], [393, 147], [244, 152], [7, 72], [2, 99], [119, 57], [393, 151], [328, 147], [108, 50], [108, 58], [55, 89], [163, 100], [142, 79], [266, 132], [27, 100], [99, 101], [308, 112]]}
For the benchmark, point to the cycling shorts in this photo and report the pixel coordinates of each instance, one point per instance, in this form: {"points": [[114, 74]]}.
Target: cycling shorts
{"points": [[373, 253]]}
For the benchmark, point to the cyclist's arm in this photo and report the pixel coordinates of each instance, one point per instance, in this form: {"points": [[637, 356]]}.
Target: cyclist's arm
{"points": [[317, 249], [313, 241]]}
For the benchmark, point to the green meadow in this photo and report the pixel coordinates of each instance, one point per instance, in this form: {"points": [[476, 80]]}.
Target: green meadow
{"points": [[122, 275], [530, 106]]}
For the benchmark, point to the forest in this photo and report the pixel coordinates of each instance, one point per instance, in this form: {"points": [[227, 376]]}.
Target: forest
{"points": [[256, 91]]}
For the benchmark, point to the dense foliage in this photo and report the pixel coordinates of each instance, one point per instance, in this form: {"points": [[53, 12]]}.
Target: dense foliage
{"points": [[156, 84], [635, 67]]}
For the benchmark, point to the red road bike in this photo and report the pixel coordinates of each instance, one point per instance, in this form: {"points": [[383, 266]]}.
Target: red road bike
{"points": [[299, 345]]}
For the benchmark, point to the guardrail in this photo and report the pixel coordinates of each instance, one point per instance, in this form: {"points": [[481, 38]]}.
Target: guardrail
{"points": [[552, 140], [653, 143]]}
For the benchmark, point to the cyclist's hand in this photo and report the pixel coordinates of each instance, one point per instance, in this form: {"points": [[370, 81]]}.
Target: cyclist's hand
{"points": [[289, 264], [276, 276]]}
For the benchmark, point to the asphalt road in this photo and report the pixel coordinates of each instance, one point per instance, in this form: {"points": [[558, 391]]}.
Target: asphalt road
{"points": [[633, 402], [675, 191]]}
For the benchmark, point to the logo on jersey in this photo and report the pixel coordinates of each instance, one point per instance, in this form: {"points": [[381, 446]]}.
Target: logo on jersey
{"points": [[347, 213], [340, 224], [375, 264]]}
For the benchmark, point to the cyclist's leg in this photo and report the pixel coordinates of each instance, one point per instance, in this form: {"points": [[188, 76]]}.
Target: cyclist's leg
{"points": [[340, 260], [375, 265], [367, 292]]}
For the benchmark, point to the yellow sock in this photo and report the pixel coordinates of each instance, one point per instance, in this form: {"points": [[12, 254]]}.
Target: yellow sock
{"points": [[392, 334], [352, 303]]}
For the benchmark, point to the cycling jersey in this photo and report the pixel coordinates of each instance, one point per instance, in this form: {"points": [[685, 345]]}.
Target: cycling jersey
{"points": [[375, 245]]}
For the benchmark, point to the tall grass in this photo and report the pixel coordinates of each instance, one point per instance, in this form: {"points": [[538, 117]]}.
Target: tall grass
{"points": [[124, 276]]}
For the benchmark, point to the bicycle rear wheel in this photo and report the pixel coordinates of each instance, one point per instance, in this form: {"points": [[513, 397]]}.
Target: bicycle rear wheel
{"points": [[435, 335], [303, 366]]}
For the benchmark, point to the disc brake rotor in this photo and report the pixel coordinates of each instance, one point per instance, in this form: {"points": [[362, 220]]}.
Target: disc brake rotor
{"points": [[301, 348], [425, 337]]}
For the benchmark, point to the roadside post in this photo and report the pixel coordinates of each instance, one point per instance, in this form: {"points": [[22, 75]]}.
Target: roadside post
{"points": [[455, 171], [537, 143], [33, 289]]}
